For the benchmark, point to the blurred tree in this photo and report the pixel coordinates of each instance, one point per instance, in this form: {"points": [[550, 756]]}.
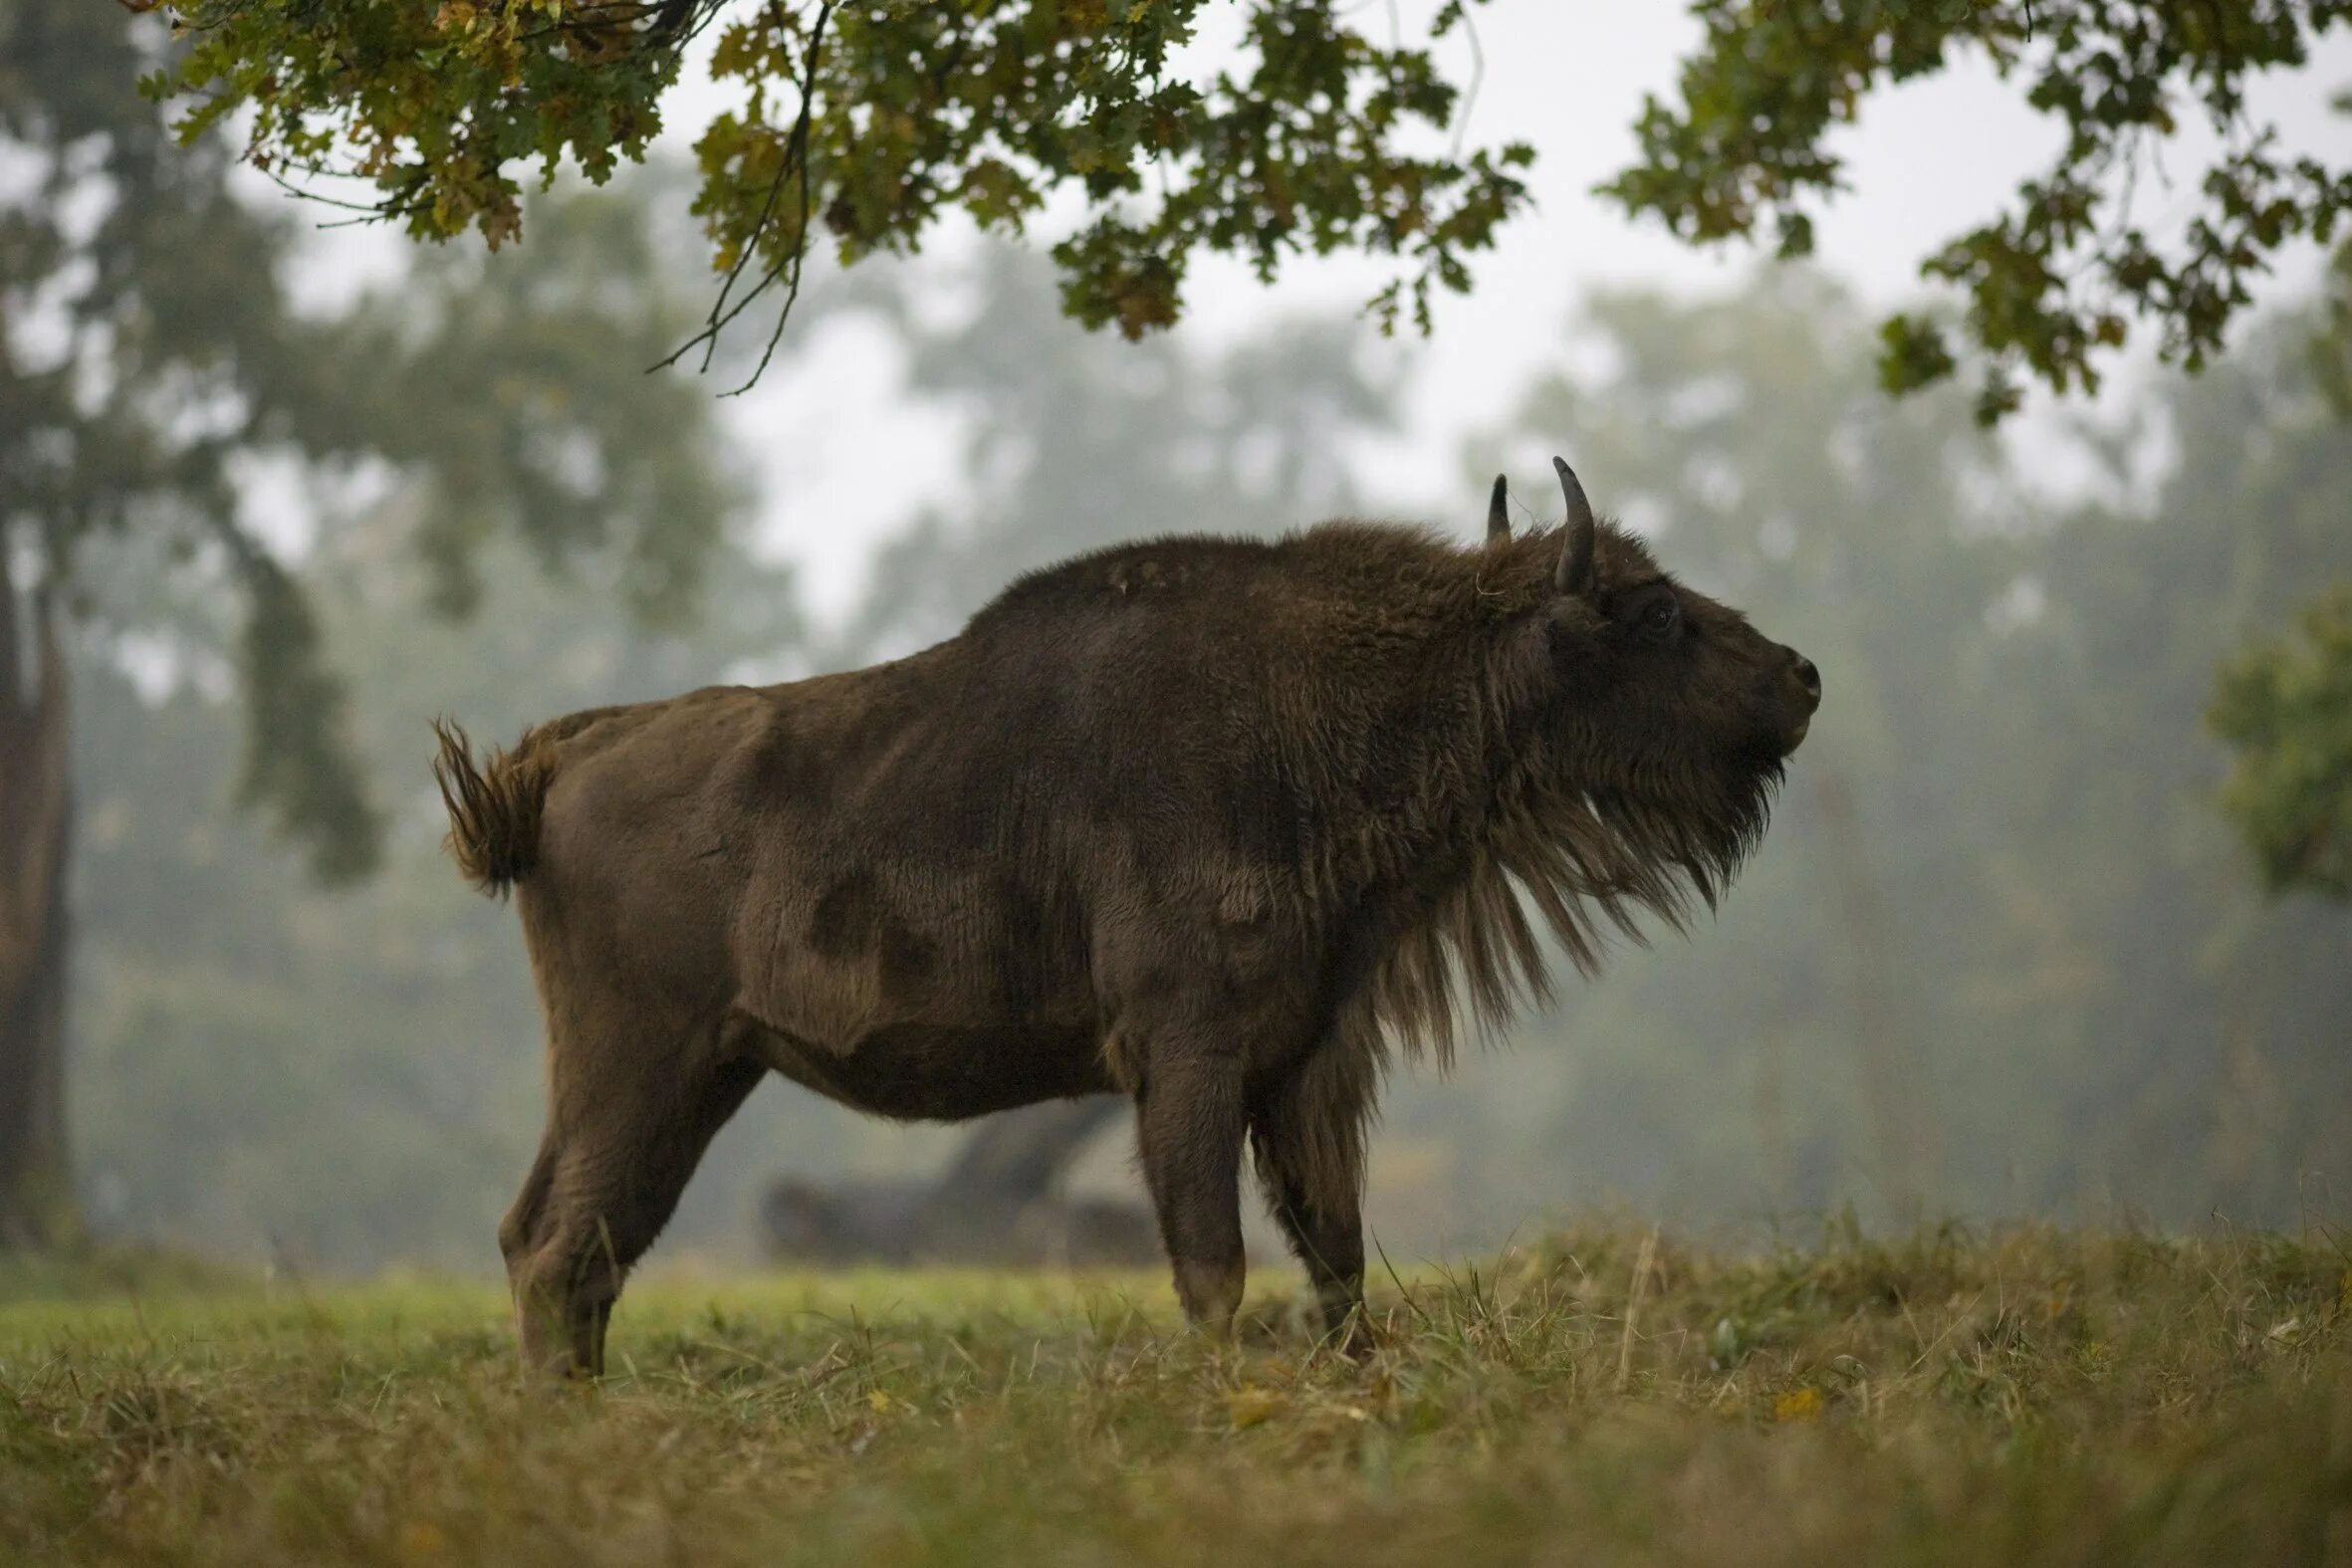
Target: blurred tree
{"points": [[2000, 952], [1744, 436], [2331, 339], [340, 1077], [154, 380], [1074, 444], [872, 120], [2288, 708], [1998, 949], [2053, 283], [2286, 704]]}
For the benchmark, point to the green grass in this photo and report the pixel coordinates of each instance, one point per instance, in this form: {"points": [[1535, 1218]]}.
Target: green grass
{"points": [[2016, 1397]]}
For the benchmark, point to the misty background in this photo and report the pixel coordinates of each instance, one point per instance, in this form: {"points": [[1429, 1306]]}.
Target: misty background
{"points": [[2001, 953]]}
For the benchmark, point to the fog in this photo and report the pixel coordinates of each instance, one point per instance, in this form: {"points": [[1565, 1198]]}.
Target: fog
{"points": [[2000, 953]]}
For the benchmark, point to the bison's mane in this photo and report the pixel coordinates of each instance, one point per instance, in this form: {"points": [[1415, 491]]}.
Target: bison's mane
{"points": [[1589, 862], [1589, 865], [1494, 833]]}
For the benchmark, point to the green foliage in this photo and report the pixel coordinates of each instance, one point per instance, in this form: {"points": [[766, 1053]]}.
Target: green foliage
{"points": [[2019, 1398], [868, 123], [2287, 707], [2055, 280], [861, 125]]}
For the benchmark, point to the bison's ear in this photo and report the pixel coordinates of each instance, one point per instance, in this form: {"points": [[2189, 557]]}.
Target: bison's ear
{"points": [[1575, 572], [1499, 512]]}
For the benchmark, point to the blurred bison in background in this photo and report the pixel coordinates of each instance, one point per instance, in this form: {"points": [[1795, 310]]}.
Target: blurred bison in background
{"points": [[1000, 1200], [1214, 823]]}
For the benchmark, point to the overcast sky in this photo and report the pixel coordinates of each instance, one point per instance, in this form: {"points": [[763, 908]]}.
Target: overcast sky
{"points": [[1568, 77]]}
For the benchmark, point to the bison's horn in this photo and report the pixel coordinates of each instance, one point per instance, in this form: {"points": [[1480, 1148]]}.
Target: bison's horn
{"points": [[1499, 512], [1575, 575]]}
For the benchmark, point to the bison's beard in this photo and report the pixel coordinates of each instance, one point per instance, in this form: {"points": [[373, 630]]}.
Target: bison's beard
{"points": [[1590, 862]]}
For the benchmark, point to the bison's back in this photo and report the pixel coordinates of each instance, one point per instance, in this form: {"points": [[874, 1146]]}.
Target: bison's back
{"points": [[860, 864], [981, 854]]}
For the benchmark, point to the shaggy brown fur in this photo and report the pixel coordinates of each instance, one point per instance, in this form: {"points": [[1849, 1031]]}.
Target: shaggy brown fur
{"points": [[1220, 824]]}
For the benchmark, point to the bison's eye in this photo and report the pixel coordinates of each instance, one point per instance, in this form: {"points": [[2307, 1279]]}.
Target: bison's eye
{"points": [[1662, 618]]}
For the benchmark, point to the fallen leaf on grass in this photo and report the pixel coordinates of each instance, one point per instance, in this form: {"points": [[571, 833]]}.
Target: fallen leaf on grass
{"points": [[1249, 1406], [1797, 1405]]}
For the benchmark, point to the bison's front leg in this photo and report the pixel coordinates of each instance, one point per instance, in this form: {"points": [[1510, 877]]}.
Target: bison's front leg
{"points": [[1190, 1122], [1309, 1132]]}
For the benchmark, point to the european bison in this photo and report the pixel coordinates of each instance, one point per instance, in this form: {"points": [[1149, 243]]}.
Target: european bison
{"points": [[1217, 823]]}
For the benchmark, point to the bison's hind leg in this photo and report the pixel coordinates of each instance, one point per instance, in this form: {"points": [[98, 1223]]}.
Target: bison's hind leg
{"points": [[631, 1110]]}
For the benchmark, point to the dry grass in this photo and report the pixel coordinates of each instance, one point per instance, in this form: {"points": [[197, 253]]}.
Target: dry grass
{"points": [[2019, 1398]]}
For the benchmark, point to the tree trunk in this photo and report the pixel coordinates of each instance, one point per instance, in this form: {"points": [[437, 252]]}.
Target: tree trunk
{"points": [[36, 1192], [998, 1202], [1020, 1156]]}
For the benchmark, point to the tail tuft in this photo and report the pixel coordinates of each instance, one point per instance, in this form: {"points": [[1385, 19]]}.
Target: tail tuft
{"points": [[494, 808]]}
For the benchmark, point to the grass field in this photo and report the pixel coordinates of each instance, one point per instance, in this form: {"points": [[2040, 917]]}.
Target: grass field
{"points": [[2013, 1398]]}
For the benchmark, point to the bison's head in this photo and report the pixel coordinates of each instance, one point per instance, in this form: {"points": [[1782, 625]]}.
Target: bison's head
{"points": [[1664, 712]]}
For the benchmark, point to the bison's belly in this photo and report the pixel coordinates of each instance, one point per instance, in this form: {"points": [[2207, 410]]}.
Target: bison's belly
{"points": [[940, 1073]]}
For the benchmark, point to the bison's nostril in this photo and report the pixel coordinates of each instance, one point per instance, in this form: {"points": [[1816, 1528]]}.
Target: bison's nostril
{"points": [[1808, 677]]}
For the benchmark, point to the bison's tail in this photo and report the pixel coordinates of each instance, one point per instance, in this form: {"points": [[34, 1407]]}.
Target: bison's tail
{"points": [[494, 808]]}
